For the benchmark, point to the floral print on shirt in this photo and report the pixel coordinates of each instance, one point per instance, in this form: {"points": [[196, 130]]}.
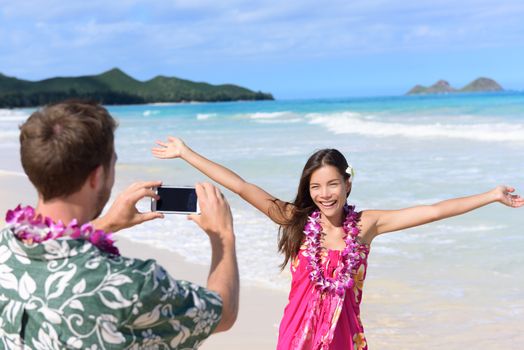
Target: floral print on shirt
{"points": [[68, 294]]}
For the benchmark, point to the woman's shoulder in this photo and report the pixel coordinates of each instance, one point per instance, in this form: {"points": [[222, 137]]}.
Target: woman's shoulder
{"points": [[367, 226]]}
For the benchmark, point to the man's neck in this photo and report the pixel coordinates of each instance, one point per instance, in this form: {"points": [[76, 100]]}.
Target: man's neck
{"points": [[64, 209]]}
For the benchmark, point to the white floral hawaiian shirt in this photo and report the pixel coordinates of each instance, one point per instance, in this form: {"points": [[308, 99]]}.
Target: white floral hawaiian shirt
{"points": [[67, 294]]}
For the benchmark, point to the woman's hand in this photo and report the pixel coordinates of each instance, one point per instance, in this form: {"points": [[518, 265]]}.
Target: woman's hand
{"points": [[503, 194], [173, 148]]}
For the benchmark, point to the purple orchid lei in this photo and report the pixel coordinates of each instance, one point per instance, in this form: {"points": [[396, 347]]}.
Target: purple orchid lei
{"points": [[36, 229], [349, 257]]}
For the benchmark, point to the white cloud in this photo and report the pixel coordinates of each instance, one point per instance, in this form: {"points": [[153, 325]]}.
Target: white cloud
{"points": [[206, 30]]}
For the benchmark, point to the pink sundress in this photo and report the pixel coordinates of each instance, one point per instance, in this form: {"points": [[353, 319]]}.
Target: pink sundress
{"points": [[319, 321]]}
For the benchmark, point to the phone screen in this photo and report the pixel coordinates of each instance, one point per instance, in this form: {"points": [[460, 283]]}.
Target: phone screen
{"points": [[177, 199]]}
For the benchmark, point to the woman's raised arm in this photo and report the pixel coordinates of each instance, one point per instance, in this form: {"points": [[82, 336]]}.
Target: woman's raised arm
{"points": [[277, 210], [394, 220]]}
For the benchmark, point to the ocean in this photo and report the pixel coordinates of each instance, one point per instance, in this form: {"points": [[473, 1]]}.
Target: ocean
{"points": [[464, 273]]}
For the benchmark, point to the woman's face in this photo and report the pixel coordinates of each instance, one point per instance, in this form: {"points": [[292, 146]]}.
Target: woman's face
{"points": [[328, 190]]}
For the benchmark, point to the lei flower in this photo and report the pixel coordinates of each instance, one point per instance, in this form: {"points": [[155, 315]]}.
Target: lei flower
{"points": [[349, 256], [36, 229]]}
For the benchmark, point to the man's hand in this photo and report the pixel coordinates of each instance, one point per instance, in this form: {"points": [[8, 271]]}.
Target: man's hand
{"points": [[123, 212], [217, 222], [215, 218]]}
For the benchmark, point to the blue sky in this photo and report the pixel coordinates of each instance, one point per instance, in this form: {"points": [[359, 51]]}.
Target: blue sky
{"points": [[294, 49]]}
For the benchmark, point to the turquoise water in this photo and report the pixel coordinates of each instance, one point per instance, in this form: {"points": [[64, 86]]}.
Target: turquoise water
{"points": [[406, 151]]}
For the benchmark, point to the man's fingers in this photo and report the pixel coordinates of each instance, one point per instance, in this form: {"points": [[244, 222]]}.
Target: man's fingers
{"points": [[217, 192], [142, 193], [210, 191], [195, 218], [222, 199], [149, 216], [132, 187], [143, 184], [201, 193], [161, 143], [136, 185], [150, 183], [139, 190]]}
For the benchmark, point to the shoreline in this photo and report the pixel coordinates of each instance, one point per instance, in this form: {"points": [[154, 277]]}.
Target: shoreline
{"points": [[152, 104]]}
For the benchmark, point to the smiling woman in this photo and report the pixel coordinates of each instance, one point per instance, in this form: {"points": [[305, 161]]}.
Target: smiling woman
{"points": [[324, 184], [327, 242]]}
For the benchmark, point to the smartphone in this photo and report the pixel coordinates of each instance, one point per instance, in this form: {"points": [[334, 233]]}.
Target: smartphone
{"points": [[175, 200]]}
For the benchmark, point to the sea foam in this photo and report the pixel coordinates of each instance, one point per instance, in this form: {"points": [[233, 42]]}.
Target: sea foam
{"points": [[271, 115], [355, 123], [284, 117], [205, 116], [14, 114]]}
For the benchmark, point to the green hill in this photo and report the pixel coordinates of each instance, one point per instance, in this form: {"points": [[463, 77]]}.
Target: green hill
{"points": [[443, 87], [482, 85], [116, 87], [440, 87]]}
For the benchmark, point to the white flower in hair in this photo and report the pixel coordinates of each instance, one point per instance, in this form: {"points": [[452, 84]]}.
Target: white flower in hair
{"points": [[351, 172]]}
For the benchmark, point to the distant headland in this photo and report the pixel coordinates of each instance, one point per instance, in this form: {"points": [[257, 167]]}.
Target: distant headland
{"points": [[115, 87], [443, 87]]}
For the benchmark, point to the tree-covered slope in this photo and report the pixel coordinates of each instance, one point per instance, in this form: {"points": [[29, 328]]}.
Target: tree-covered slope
{"points": [[116, 87]]}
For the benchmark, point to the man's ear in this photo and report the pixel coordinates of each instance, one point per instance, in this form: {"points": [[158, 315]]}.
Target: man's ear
{"points": [[96, 177]]}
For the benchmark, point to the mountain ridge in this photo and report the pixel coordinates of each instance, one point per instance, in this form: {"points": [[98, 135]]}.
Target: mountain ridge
{"points": [[480, 84], [114, 87]]}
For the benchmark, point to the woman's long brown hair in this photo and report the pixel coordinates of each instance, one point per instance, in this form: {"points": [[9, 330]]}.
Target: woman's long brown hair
{"points": [[291, 232]]}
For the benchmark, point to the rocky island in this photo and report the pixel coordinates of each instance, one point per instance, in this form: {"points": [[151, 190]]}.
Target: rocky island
{"points": [[115, 87], [443, 87]]}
